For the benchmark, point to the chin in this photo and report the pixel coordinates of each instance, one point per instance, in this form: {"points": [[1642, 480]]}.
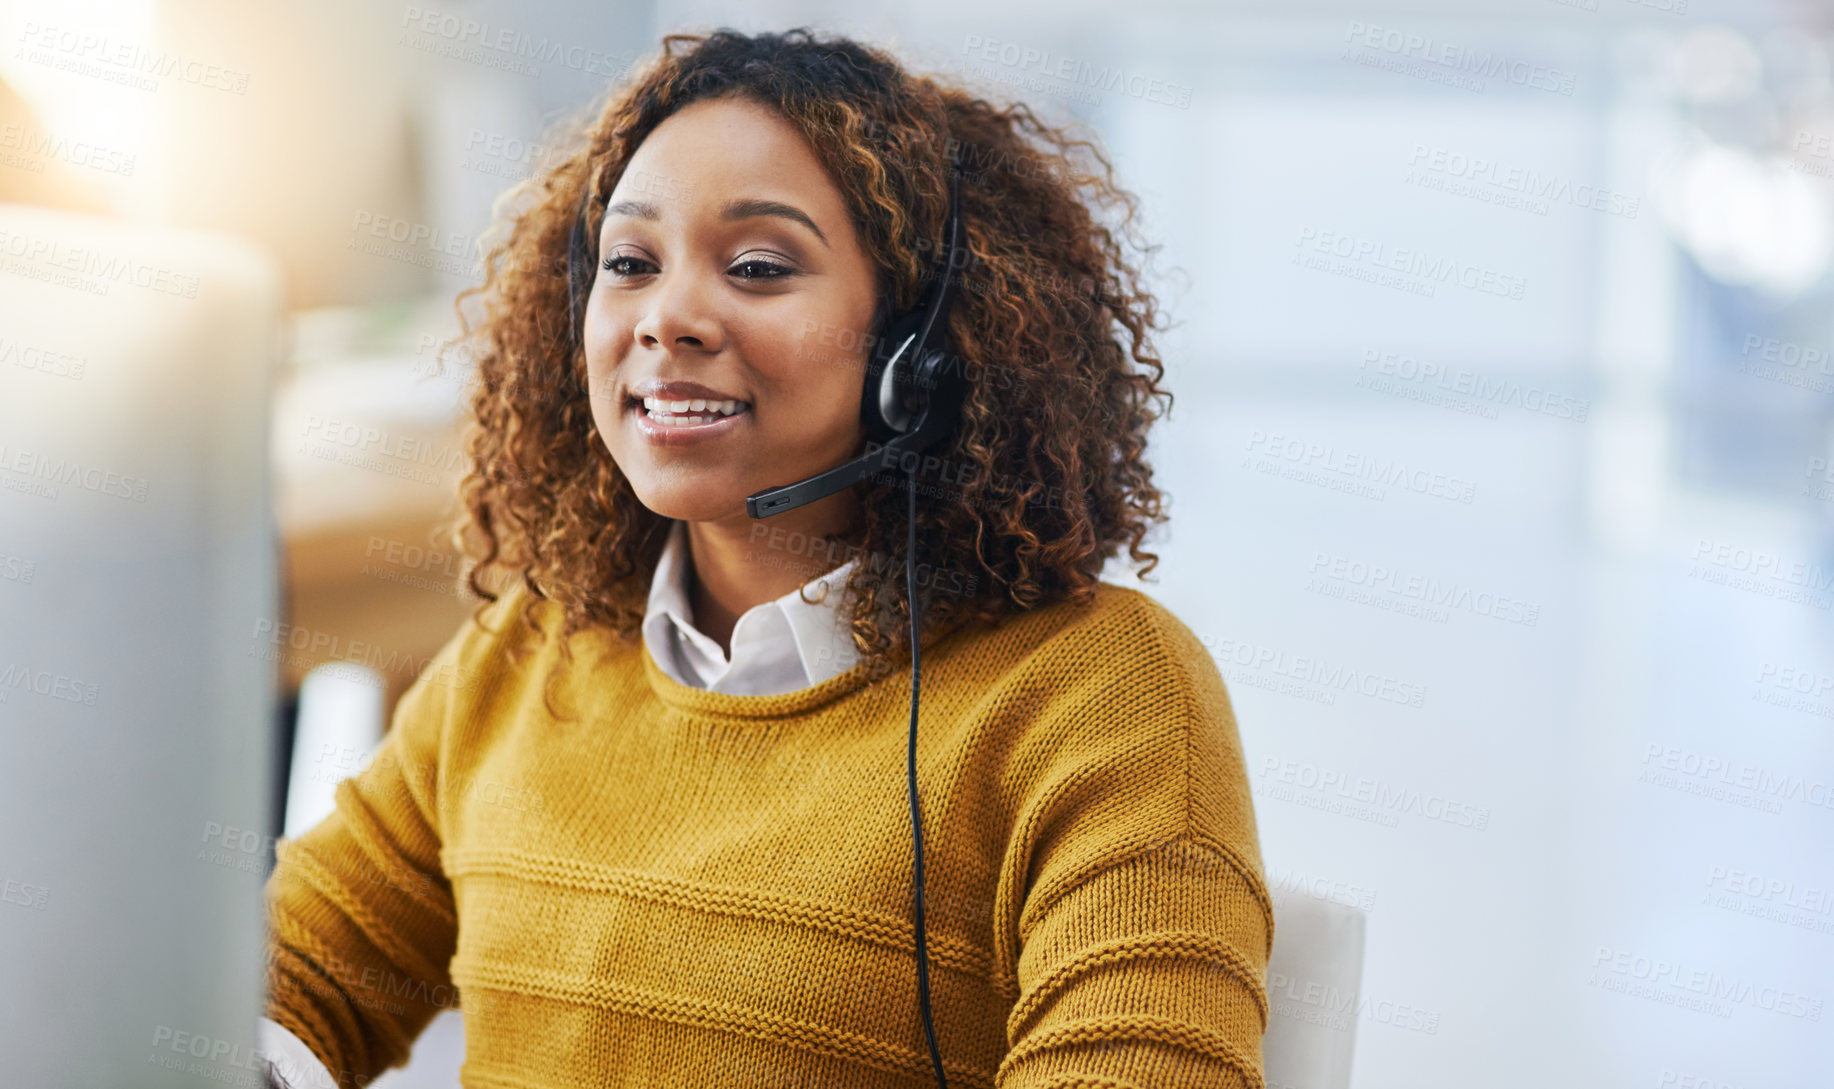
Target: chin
{"points": [[689, 502]]}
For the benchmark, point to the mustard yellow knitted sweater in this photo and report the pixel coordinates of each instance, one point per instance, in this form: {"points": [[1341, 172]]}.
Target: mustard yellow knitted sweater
{"points": [[665, 886]]}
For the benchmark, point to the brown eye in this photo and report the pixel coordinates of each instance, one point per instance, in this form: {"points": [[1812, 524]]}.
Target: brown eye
{"points": [[775, 270], [617, 264]]}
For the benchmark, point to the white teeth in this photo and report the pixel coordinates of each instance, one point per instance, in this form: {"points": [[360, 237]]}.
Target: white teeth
{"points": [[674, 413]]}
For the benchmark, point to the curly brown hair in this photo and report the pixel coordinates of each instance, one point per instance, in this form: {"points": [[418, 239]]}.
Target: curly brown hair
{"points": [[1045, 473]]}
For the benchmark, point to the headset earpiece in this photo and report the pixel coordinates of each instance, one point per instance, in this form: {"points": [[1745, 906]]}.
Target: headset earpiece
{"points": [[906, 371], [890, 401]]}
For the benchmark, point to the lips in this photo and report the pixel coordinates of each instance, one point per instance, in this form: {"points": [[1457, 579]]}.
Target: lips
{"points": [[661, 425], [675, 413]]}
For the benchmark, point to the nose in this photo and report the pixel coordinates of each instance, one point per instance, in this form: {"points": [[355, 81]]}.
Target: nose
{"points": [[677, 315]]}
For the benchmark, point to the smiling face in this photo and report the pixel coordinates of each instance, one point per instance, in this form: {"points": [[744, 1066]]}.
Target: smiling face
{"points": [[727, 262]]}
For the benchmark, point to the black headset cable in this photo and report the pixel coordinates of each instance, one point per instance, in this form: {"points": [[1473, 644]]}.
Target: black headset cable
{"points": [[923, 954]]}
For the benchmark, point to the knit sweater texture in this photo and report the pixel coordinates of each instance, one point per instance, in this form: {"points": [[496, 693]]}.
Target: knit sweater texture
{"points": [[662, 886]]}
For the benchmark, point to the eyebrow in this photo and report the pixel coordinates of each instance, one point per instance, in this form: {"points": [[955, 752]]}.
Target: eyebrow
{"points": [[741, 208]]}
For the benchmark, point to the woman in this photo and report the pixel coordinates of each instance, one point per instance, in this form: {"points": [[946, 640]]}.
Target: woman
{"points": [[645, 814]]}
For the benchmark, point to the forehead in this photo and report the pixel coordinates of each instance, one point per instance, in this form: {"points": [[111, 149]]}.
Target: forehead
{"points": [[728, 147]]}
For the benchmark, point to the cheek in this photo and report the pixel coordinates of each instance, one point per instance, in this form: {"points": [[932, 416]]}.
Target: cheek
{"points": [[598, 336], [818, 363], [601, 339], [819, 390]]}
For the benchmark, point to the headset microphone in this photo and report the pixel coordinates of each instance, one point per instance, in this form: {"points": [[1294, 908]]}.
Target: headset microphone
{"points": [[910, 400]]}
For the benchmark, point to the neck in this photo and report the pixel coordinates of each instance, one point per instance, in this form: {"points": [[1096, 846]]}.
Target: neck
{"points": [[739, 563]]}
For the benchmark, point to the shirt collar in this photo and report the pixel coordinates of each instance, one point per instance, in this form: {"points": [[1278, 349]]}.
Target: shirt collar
{"points": [[779, 646]]}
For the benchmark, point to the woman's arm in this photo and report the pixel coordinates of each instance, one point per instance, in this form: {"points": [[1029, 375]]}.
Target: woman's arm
{"points": [[1143, 922], [1150, 972], [361, 918]]}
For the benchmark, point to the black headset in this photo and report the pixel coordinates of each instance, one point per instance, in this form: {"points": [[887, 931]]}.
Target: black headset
{"points": [[910, 401]]}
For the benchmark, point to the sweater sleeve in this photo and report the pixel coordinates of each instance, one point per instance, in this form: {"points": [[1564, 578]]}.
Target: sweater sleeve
{"points": [[1145, 929], [361, 921], [1150, 973]]}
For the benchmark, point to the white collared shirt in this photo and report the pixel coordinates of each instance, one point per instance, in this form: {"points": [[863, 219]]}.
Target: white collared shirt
{"points": [[779, 646]]}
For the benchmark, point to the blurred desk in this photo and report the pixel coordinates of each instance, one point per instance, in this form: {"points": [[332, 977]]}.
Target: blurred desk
{"points": [[368, 455]]}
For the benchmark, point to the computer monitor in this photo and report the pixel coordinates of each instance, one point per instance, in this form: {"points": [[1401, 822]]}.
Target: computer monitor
{"points": [[138, 555]]}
